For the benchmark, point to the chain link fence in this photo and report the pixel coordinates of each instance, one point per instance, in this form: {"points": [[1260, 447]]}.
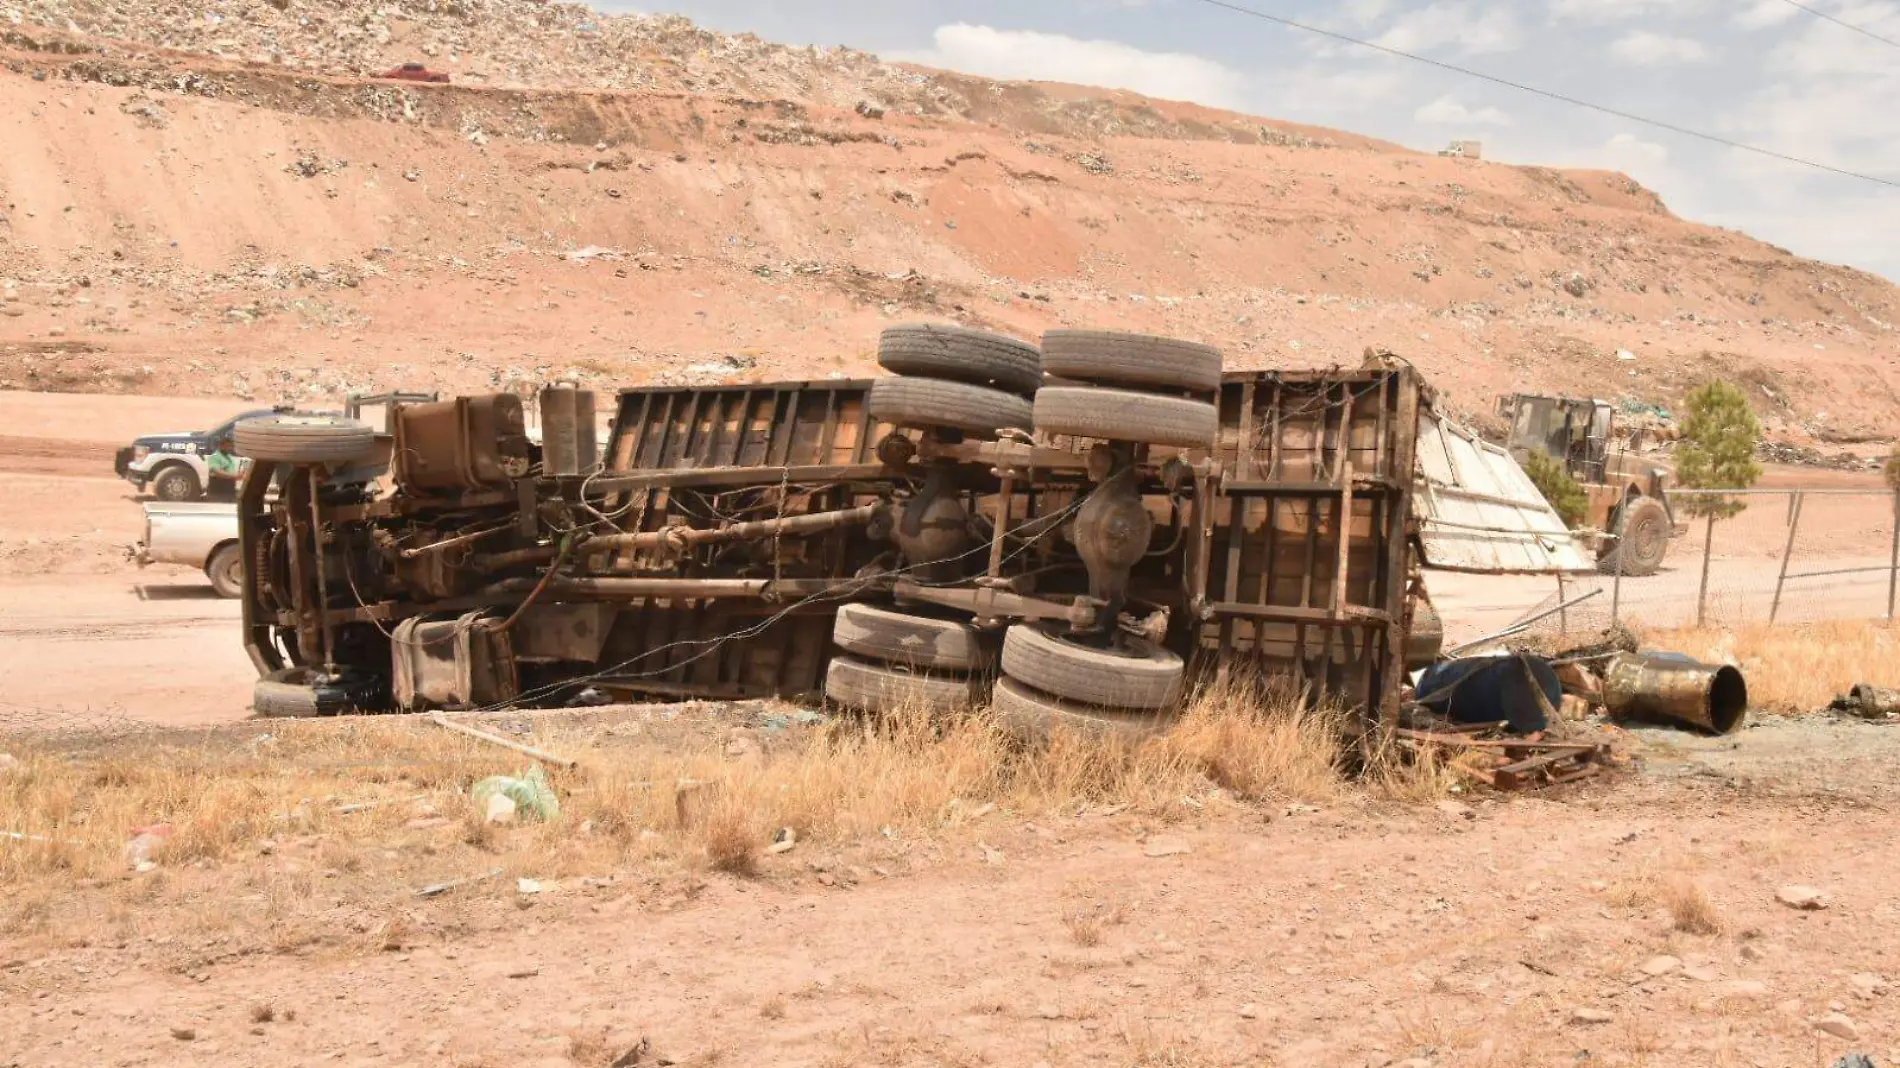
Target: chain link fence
{"points": [[1788, 556]]}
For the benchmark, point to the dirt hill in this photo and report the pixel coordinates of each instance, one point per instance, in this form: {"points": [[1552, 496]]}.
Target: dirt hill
{"points": [[216, 199]]}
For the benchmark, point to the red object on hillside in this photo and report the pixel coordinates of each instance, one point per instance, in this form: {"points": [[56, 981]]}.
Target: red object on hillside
{"points": [[415, 72]]}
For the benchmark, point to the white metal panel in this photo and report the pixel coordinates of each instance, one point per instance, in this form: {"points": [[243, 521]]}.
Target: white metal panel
{"points": [[1479, 511]]}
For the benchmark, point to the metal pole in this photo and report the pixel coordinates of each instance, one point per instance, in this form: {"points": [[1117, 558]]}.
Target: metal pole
{"points": [[1563, 615], [1616, 593], [1893, 562], [1708, 550], [323, 584], [1518, 627], [1794, 523]]}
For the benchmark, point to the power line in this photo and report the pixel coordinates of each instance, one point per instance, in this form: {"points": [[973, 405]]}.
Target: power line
{"points": [[1548, 94], [1862, 30]]}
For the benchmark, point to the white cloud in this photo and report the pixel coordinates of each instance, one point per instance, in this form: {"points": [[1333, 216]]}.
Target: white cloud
{"points": [[1645, 49], [1765, 13], [1450, 111], [1602, 12], [1326, 93], [1626, 151], [1471, 29], [1053, 57]]}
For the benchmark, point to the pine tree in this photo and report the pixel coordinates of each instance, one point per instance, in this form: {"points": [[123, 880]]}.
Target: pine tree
{"points": [[1548, 475], [1719, 435]]}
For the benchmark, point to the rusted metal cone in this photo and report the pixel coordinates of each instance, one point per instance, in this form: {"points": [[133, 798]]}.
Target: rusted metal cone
{"points": [[1673, 688]]}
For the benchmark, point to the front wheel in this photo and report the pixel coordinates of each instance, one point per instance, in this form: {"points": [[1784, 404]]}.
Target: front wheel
{"points": [[1642, 539], [175, 483]]}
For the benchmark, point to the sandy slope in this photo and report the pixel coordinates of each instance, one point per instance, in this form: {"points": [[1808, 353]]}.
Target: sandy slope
{"points": [[270, 234]]}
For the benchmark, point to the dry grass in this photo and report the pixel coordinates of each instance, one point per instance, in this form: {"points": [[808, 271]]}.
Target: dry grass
{"points": [[1796, 667], [240, 802], [1691, 911]]}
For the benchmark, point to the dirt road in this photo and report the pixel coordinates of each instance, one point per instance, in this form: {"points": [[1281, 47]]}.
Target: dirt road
{"points": [[86, 637]]}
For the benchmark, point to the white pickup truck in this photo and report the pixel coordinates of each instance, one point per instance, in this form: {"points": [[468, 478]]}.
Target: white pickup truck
{"points": [[202, 535]]}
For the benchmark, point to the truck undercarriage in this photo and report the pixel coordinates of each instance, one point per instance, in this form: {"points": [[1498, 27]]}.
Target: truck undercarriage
{"points": [[1069, 534]]}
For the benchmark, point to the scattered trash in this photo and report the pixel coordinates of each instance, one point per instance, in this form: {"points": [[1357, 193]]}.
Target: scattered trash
{"points": [[1854, 1060], [528, 793], [774, 721], [527, 886], [1513, 763], [783, 841], [1625, 354], [1672, 688], [146, 845], [1802, 898], [1869, 702], [1519, 689], [437, 889]]}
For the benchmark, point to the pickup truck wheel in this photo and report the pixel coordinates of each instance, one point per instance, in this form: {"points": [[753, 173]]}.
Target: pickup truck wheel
{"points": [[931, 350], [1131, 360], [226, 570], [1643, 529], [176, 483], [1124, 415], [928, 402], [1134, 674], [1033, 717], [304, 439], [920, 642], [879, 689]]}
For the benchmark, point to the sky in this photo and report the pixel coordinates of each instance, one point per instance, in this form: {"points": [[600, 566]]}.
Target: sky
{"points": [[1762, 72]]}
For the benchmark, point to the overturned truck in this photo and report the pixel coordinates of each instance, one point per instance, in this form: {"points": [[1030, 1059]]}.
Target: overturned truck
{"points": [[1066, 533]]}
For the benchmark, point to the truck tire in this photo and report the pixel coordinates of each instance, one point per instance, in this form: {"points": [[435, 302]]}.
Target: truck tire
{"points": [[1123, 415], [304, 439], [1032, 717], [225, 569], [931, 350], [1643, 530], [1131, 360], [176, 482], [927, 402], [1139, 675], [918, 642], [879, 689]]}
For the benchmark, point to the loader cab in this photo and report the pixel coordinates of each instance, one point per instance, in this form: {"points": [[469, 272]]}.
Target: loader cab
{"points": [[1574, 430]]}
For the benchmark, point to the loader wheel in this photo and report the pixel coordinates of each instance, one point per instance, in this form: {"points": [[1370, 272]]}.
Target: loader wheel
{"points": [[304, 439], [1033, 717], [921, 643], [1134, 675], [927, 402], [879, 689], [932, 350], [1131, 360], [176, 483], [1643, 529], [1123, 415], [226, 570]]}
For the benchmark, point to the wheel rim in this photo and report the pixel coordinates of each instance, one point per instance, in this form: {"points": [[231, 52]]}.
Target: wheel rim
{"points": [[1647, 539], [1128, 649], [173, 488], [234, 572]]}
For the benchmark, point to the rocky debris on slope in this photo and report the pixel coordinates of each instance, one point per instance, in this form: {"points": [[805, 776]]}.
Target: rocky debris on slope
{"points": [[537, 45]]}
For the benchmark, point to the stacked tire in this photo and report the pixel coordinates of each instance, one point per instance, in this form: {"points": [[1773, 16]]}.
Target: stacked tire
{"points": [[1053, 684], [949, 377], [1128, 387], [895, 661]]}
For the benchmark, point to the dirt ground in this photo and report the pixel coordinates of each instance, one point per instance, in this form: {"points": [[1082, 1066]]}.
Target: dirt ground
{"points": [[1634, 921]]}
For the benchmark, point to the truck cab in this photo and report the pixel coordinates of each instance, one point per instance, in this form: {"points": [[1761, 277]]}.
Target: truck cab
{"points": [[171, 466]]}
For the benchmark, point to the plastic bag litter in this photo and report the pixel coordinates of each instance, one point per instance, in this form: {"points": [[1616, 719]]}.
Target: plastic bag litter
{"points": [[530, 792]]}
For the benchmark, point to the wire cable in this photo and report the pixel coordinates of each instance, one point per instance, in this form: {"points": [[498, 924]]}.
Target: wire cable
{"points": [[1862, 30], [1550, 95]]}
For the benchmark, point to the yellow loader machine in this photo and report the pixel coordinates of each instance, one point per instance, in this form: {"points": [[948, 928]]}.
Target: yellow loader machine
{"points": [[1629, 516]]}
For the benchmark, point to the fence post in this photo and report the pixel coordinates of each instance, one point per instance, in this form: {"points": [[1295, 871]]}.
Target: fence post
{"points": [[1794, 523], [1893, 562], [1708, 550]]}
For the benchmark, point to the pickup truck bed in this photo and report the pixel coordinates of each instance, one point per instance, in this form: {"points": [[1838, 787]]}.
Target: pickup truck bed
{"points": [[203, 535]]}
